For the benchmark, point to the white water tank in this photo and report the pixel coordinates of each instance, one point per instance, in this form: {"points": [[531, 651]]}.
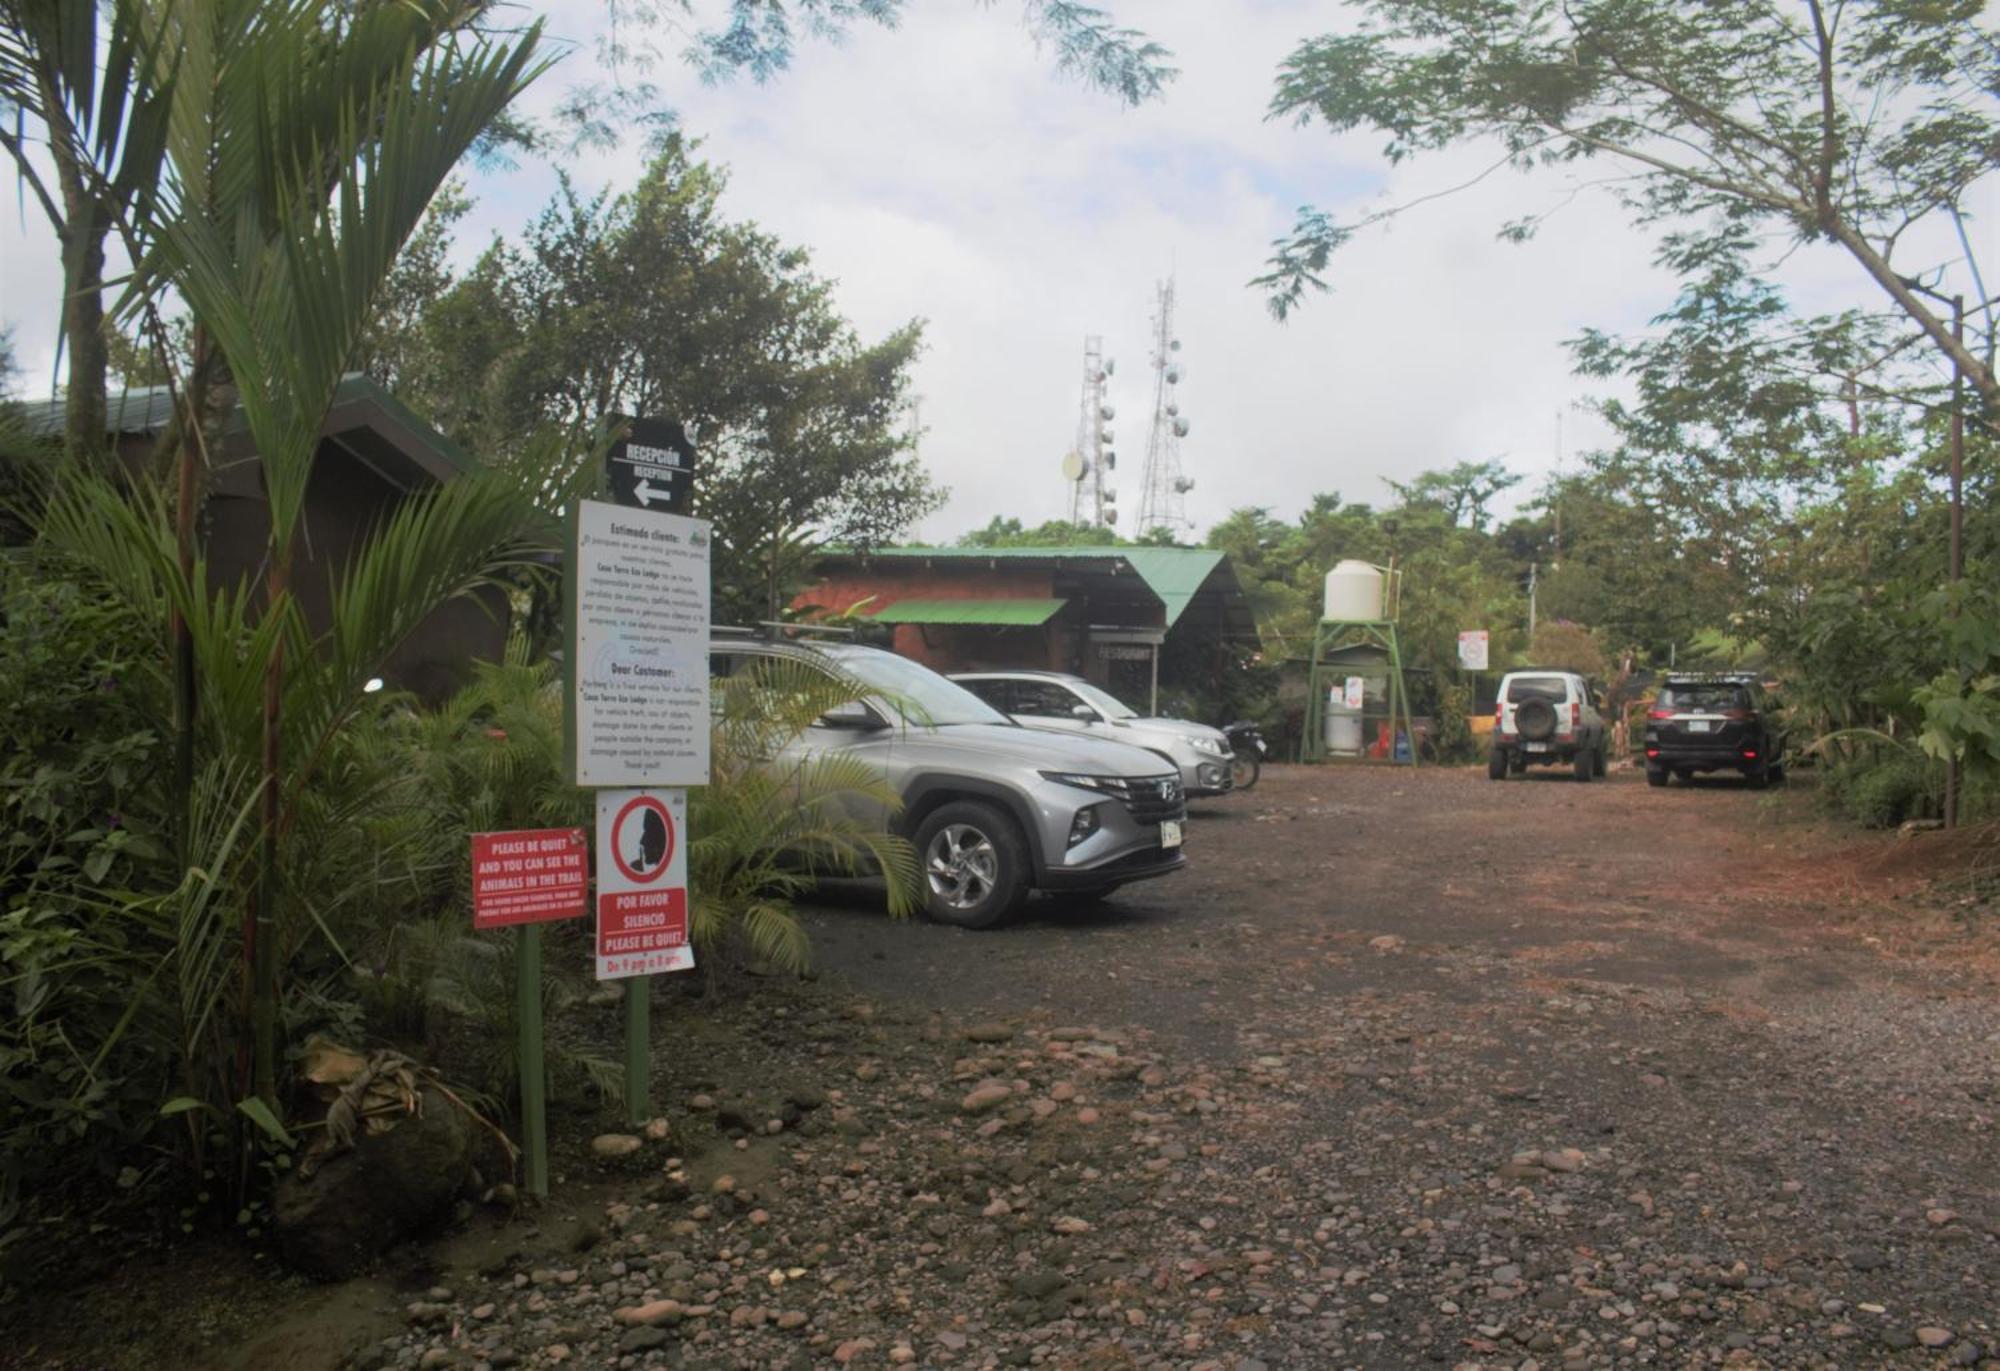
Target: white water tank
{"points": [[1353, 591]]}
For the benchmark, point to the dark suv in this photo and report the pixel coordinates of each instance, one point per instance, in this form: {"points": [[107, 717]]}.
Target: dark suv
{"points": [[1719, 721]]}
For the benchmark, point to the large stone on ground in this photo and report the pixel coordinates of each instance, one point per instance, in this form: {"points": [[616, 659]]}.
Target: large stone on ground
{"points": [[388, 1187]]}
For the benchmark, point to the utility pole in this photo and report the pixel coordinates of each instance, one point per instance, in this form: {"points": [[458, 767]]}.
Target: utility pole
{"points": [[1957, 516], [1532, 568]]}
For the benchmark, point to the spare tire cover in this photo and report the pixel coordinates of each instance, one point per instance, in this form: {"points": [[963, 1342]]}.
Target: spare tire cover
{"points": [[1536, 719]]}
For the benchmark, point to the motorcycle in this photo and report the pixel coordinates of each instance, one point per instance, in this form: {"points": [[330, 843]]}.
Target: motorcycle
{"points": [[1246, 741]]}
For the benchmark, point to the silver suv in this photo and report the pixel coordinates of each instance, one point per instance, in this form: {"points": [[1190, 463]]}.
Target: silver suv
{"points": [[994, 810], [1547, 718], [1055, 699]]}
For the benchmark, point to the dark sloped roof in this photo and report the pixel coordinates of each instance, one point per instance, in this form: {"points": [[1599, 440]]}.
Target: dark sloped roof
{"points": [[369, 421]]}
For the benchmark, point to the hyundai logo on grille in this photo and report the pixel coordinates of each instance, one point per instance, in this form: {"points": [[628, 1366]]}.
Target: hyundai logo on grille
{"points": [[1170, 789]]}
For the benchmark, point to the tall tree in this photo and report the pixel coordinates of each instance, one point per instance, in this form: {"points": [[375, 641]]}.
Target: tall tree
{"points": [[1003, 531], [92, 96], [1835, 121], [303, 152], [653, 302], [1462, 492]]}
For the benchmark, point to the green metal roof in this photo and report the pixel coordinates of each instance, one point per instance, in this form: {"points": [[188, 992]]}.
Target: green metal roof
{"points": [[1173, 574], [1021, 612]]}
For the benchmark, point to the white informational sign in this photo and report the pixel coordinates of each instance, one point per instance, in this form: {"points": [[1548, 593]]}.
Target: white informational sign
{"points": [[1472, 649], [642, 898], [639, 647], [1352, 696]]}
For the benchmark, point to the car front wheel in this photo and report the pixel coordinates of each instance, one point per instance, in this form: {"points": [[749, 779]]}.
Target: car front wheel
{"points": [[975, 864]]}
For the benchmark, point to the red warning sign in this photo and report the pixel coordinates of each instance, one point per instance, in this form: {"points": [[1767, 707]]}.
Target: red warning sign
{"points": [[533, 875], [642, 904]]}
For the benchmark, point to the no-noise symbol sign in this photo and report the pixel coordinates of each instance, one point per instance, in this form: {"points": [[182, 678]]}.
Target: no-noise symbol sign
{"points": [[643, 839], [642, 909]]}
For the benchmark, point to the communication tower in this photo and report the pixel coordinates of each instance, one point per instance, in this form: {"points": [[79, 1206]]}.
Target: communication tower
{"points": [[1163, 503], [1088, 465]]}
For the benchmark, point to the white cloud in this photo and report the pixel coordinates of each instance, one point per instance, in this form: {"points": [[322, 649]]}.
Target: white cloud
{"points": [[941, 170]]}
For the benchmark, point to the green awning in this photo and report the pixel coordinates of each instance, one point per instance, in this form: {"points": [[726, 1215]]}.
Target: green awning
{"points": [[1172, 574], [1022, 613]]}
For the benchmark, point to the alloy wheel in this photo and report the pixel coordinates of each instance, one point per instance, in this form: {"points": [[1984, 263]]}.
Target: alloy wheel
{"points": [[962, 866]]}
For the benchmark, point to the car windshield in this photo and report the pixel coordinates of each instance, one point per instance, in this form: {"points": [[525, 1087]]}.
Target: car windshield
{"points": [[923, 695], [1551, 688], [1105, 703], [1701, 697]]}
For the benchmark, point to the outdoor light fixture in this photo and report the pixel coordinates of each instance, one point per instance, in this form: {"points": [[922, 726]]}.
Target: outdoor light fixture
{"points": [[1083, 825], [374, 684]]}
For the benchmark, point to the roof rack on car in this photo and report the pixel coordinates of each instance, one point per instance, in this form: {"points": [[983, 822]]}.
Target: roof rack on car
{"points": [[777, 628], [1713, 677]]}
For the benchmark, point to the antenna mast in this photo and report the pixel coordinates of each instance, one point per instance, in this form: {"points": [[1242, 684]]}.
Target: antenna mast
{"points": [[1163, 504], [1088, 465]]}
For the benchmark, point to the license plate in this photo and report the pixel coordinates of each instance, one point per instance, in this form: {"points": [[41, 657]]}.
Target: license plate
{"points": [[1170, 833], [1538, 747], [1697, 725]]}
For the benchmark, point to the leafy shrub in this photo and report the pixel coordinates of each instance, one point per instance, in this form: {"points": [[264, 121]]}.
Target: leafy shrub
{"points": [[80, 812], [1885, 790]]}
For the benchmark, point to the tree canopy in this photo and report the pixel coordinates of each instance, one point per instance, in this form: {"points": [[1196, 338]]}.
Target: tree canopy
{"points": [[653, 302], [1726, 123]]}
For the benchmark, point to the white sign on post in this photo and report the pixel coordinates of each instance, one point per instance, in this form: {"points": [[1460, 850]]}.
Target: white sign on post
{"points": [[1472, 649], [642, 898], [639, 647], [1355, 694]]}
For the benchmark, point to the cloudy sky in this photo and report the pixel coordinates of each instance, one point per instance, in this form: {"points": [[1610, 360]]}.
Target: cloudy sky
{"points": [[942, 170]]}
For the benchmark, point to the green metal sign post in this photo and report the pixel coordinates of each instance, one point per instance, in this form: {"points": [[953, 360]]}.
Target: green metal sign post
{"points": [[638, 1049], [524, 879], [636, 714], [534, 1069]]}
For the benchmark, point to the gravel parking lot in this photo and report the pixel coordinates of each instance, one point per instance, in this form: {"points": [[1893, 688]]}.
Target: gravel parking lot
{"points": [[1405, 1070]]}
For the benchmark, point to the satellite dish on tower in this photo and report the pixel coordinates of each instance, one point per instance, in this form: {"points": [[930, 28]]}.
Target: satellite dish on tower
{"points": [[1180, 426], [1073, 466]]}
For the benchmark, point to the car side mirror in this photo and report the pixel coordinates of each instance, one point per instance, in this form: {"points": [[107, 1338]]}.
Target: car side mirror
{"points": [[1085, 713], [854, 715]]}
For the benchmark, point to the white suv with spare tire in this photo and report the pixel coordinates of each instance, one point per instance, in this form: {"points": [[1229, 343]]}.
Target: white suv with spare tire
{"points": [[1547, 718]]}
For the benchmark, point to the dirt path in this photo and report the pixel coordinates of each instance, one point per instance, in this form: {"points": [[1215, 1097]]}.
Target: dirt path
{"points": [[1405, 1070]]}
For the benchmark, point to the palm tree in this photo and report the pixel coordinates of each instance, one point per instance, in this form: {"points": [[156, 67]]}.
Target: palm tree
{"points": [[305, 139]]}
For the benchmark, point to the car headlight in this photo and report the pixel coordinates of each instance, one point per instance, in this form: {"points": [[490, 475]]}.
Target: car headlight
{"points": [[1114, 785], [1208, 747]]}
